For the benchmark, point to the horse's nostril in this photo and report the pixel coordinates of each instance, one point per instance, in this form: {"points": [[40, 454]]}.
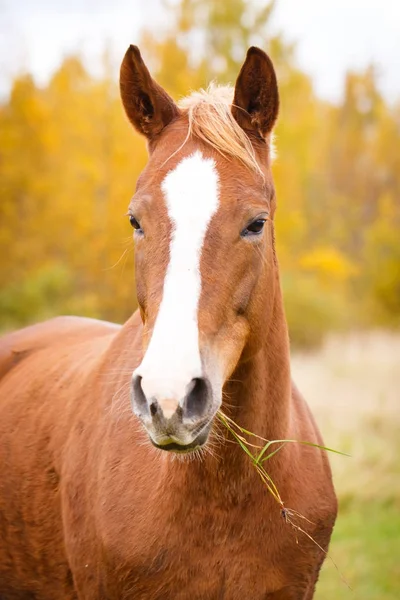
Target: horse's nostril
{"points": [[139, 401], [198, 398], [153, 408]]}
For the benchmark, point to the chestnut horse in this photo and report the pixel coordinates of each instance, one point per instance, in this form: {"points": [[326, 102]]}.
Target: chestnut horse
{"points": [[98, 497]]}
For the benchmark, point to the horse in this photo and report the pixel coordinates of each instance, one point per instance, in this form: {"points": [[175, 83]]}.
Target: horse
{"points": [[118, 479]]}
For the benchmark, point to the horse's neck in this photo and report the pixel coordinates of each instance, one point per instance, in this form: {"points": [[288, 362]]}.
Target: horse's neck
{"points": [[258, 394]]}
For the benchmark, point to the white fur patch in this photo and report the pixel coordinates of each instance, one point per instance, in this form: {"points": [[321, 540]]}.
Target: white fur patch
{"points": [[173, 358]]}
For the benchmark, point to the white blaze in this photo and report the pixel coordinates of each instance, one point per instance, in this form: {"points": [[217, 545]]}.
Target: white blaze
{"points": [[173, 359]]}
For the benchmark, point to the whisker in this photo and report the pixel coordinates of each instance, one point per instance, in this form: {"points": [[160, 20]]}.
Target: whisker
{"points": [[119, 260]]}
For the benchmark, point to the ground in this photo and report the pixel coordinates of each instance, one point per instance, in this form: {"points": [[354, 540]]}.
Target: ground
{"points": [[353, 387]]}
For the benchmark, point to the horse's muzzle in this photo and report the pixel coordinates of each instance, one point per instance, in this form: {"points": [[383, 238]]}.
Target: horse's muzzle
{"points": [[178, 425]]}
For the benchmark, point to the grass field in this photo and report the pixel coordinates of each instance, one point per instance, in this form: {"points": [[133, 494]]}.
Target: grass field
{"points": [[353, 387]]}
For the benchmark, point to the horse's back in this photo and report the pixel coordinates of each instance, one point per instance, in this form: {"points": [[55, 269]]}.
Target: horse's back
{"points": [[65, 331]]}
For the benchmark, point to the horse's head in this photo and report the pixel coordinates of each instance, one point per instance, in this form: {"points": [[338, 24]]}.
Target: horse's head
{"points": [[205, 264]]}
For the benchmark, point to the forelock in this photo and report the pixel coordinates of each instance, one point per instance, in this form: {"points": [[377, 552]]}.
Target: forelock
{"points": [[211, 120]]}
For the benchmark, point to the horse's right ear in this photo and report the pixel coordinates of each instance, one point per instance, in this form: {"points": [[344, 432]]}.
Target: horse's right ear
{"points": [[147, 105]]}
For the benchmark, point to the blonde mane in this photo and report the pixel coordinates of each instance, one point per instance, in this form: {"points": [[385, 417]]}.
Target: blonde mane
{"points": [[211, 120]]}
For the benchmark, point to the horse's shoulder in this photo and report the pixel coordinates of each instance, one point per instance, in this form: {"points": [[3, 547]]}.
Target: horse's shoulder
{"points": [[66, 330]]}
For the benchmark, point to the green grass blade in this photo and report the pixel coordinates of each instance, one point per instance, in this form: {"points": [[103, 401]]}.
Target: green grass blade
{"points": [[272, 453]]}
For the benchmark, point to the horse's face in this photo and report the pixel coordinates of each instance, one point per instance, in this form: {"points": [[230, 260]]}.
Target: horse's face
{"points": [[204, 250]]}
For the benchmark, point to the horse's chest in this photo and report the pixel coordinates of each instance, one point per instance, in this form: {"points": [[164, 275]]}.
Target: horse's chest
{"points": [[199, 578], [223, 573], [220, 559]]}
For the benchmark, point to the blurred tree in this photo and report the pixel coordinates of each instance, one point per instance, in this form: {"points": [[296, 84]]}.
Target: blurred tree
{"points": [[208, 39], [67, 172]]}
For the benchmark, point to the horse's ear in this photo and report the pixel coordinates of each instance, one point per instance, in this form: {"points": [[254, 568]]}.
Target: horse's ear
{"points": [[147, 105], [256, 101]]}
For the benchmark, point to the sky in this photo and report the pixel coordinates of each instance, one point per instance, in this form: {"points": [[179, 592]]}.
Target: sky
{"points": [[331, 36]]}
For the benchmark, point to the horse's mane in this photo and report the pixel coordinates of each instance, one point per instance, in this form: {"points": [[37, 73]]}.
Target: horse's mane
{"points": [[211, 120]]}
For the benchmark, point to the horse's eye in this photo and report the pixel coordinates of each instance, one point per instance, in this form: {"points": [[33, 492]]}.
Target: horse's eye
{"points": [[135, 223], [254, 228]]}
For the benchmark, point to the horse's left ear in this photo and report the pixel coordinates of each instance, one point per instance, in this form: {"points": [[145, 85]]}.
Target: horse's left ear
{"points": [[256, 101], [147, 105]]}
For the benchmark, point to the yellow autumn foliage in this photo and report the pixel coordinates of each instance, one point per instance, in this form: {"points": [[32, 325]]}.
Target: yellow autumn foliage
{"points": [[327, 263]]}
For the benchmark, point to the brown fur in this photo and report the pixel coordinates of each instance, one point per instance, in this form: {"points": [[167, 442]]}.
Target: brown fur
{"points": [[89, 510]]}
